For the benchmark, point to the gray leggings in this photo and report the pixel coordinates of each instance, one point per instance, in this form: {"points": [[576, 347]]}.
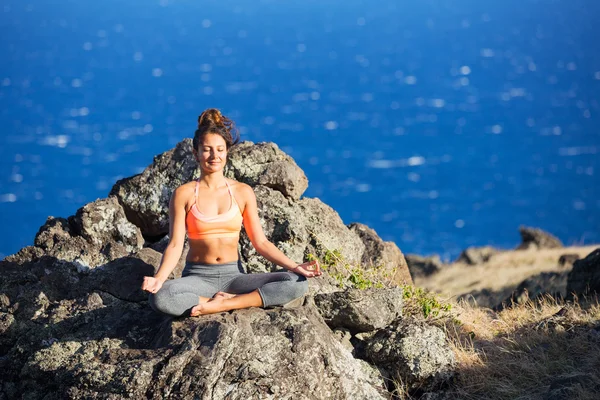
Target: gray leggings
{"points": [[177, 296]]}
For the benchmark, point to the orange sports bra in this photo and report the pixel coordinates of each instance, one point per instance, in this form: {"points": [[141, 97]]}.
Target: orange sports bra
{"points": [[224, 225]]}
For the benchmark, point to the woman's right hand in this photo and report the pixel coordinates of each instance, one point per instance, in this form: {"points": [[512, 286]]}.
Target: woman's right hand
{"points": [[151, 284]]}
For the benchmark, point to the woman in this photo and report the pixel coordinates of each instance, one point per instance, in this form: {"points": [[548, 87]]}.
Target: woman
{"points": [[211, 210]]}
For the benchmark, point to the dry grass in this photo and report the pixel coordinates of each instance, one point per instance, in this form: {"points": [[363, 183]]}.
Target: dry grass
{"points": [[503, 270], [520, 352]]}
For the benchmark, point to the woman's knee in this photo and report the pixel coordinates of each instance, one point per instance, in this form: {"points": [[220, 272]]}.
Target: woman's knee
{"points": [[300, 287], [284, 291], [159, 302]]}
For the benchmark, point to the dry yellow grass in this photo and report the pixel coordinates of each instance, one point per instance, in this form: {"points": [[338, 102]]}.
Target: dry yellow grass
{"points": [[538, 350], [503, 270]]}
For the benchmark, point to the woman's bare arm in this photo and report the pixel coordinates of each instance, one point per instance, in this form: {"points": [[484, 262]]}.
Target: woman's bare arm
{"points": [[260, 242], [174, 249]]}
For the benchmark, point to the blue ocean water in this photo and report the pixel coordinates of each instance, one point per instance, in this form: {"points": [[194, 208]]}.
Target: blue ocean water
{"points": [[440, 124]]}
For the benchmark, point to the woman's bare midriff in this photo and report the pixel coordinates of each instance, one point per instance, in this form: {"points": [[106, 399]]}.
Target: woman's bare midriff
{"points": [[213, 251]]}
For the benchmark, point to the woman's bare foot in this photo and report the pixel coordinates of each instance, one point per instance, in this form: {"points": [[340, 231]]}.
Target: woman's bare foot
{"points": [[222, 303], [223, 295], [212, 306]]}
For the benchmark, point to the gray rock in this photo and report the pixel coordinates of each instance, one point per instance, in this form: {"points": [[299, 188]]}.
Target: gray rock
{"points": [[569, 259], [382, 254], [537, 238], [265, 164], [422, 266], [97, 234], [544, 283], [477, 255], [299, 228], [103, 221], [74, 322], [413, 353], [585, 276], [287, 354], [145, 197], [360, 310]]}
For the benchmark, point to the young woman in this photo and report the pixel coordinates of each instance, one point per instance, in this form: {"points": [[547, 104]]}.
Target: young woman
{"points": [[211, 211]]}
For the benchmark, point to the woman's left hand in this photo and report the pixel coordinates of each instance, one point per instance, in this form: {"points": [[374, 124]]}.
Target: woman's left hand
{"points": [[309, 269]]}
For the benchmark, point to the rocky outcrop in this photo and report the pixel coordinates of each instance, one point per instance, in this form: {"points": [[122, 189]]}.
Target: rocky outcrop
{"points": [[477, 255], [248, 354], [537, 239], [545, 283], [360, 310], [421, 267], [385, 255], [300, 227], [414, 353], [145, 197], [584, 278], [74, 322], [98, 233], [268, 166]]}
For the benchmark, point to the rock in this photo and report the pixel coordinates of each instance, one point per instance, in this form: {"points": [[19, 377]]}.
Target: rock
{"points": [[344, 336], [567, 259], [534, 287], [74, 322], [145, 197], [477, 255], [382, 254], [545, 283], [585, 276], [265, 164], [360, 310], [98, 233], [538, 239], [248, 354], [414, 353], [299, 228], [422, 266], [103, 222], [486, 298]]}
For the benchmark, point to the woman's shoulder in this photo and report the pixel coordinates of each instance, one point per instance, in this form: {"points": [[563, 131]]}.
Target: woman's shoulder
{"points": [[240, 188], [186, 187], [184, 191]]}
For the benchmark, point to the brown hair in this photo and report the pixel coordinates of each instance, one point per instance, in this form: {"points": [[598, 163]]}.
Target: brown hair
{"points": [[212, 121]]}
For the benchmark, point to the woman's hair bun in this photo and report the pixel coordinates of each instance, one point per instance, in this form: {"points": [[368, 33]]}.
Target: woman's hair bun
{"points": [[211, 116], [212, 121]]}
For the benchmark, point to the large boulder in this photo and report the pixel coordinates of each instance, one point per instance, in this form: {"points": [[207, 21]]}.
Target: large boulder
{"points": [[265, 164], [545, 283], [383, 255], [422, 267], [84, 342], [585, 276], [414, 353], [145, 197], [537, 239], [74, 322], [98, 233], [299, 229], [476, 255], [360, 310]]}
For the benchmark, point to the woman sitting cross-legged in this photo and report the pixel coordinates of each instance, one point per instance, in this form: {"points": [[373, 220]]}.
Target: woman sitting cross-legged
{"points": [[211, 210]]}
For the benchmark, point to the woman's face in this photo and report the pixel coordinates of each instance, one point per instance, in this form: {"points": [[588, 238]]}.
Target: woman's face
{"points": [[212, 153]]}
